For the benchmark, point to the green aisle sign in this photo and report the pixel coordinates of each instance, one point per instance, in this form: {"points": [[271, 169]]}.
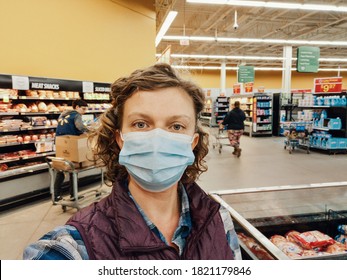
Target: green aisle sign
{"points": [[307, 59], [245, 74]]}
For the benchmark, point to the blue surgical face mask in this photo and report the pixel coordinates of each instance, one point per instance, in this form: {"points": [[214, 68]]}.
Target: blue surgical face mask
{"points": [[156, 159]]}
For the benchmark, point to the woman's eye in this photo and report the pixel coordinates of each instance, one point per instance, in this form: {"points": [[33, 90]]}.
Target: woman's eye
{"points": [[140, 125], [177, 127]]}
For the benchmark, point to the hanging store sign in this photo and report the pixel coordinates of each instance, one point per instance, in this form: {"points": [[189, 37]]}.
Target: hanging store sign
{"points": [[301, 91], [6, 81], [237, 88], [307, 59], [102, 87], [54, 84], [245, 74], [328, 85], [249, 87]]}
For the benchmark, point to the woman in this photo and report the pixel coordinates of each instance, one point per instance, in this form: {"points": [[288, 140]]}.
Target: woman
{"points": [[154, 150], [234, 121]]}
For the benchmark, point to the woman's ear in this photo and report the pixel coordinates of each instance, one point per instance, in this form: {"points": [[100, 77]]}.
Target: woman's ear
{"points": [[195, 140], [119, 139]]}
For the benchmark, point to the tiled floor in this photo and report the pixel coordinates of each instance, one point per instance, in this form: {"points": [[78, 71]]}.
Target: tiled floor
{"points": [[264, 162]]}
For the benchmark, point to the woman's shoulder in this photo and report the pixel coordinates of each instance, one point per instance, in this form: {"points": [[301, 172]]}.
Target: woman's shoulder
{"points": [[62, 243]]}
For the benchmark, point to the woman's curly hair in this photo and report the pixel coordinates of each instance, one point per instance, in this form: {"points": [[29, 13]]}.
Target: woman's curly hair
{"points": [[154, 77]]}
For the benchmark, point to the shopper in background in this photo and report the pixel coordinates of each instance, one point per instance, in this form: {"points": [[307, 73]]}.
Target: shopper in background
{"points": [[234, 122], [69, 123], [154, 149]]}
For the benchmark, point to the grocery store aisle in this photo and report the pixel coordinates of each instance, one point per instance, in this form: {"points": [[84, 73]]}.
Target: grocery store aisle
{"points": [[264, 162]]}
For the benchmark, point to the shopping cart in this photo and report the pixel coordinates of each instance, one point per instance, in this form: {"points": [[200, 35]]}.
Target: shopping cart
{"points": [[296, 134], [220, 134], [57, 164]]}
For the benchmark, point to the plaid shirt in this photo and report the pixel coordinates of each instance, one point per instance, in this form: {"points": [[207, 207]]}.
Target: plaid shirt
{"points": [[66, 243]]}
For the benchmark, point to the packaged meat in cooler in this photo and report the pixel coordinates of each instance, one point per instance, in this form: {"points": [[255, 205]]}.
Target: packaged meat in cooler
{"points": [[54, 122], [52, 108], [9, 156], [27, 138], [38, 121], [336, 248], [76, 95], [33, 108], [32, 93], [342, 229], [3, 139], [42, 93], [3, 167], [255, 248], [5, 107], [42, 107], [291, 249], [311, 239], [26, 153], [62, 94], [12, 139], [21, 108], [49, 93], [34, 137]]}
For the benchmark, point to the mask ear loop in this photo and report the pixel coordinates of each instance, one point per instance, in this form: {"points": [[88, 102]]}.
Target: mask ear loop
{"points": [[121, 135]]}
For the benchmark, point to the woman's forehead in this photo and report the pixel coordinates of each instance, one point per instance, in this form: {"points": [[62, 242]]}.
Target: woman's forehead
{"points": [[168, 101]]}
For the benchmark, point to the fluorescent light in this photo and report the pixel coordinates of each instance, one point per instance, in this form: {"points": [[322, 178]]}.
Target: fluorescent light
{"points": [[201, 67], [254, 40], [276, 5], [225, 57], [165, 26], [250, 57]]}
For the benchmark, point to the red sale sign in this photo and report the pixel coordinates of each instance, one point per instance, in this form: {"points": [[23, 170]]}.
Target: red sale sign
{"points": [[328, 85]]}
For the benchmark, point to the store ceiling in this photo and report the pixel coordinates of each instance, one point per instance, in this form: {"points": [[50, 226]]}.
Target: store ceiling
{"points": [[254, 22]]}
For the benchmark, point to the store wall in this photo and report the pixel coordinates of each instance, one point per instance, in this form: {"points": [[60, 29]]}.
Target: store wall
{"points": [[268, 79], [97, 40]]}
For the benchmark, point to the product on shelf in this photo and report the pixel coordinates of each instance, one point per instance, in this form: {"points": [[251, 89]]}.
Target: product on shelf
{"points": [[255, 248], [305, 244]]}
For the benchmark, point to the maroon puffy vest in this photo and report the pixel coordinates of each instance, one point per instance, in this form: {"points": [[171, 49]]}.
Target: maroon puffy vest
{"points": [[113, 228]]}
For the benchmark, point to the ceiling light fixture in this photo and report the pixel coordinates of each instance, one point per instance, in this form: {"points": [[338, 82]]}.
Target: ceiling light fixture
{"points": [[201, 67], [254, 40], [276, 5], [250, 57], [165, 26]]}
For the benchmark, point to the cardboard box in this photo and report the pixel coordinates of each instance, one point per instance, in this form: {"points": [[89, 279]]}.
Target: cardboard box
{"points": [[73, 148]]}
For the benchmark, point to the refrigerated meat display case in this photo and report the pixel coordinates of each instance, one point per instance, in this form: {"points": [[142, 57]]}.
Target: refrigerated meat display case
{"points": [[302, 220]]}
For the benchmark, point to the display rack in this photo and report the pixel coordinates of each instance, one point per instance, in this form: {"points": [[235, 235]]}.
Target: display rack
{"points": [[29, 109], [221, 108], [329, 117], [262, 115], [207, 116]]}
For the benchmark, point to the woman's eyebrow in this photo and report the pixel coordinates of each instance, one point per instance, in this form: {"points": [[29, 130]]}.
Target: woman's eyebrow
{"points": [[138, 114], [183, 116]]}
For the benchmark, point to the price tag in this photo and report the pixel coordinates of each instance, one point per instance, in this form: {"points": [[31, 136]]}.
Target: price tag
{"points": [[328, 85], [20, 82], [87, 86], [5, 98]]}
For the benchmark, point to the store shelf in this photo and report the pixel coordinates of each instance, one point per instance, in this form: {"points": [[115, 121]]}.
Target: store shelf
{"points": [[325, 128], [61, 94], [23, 170], [45, 98]]}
